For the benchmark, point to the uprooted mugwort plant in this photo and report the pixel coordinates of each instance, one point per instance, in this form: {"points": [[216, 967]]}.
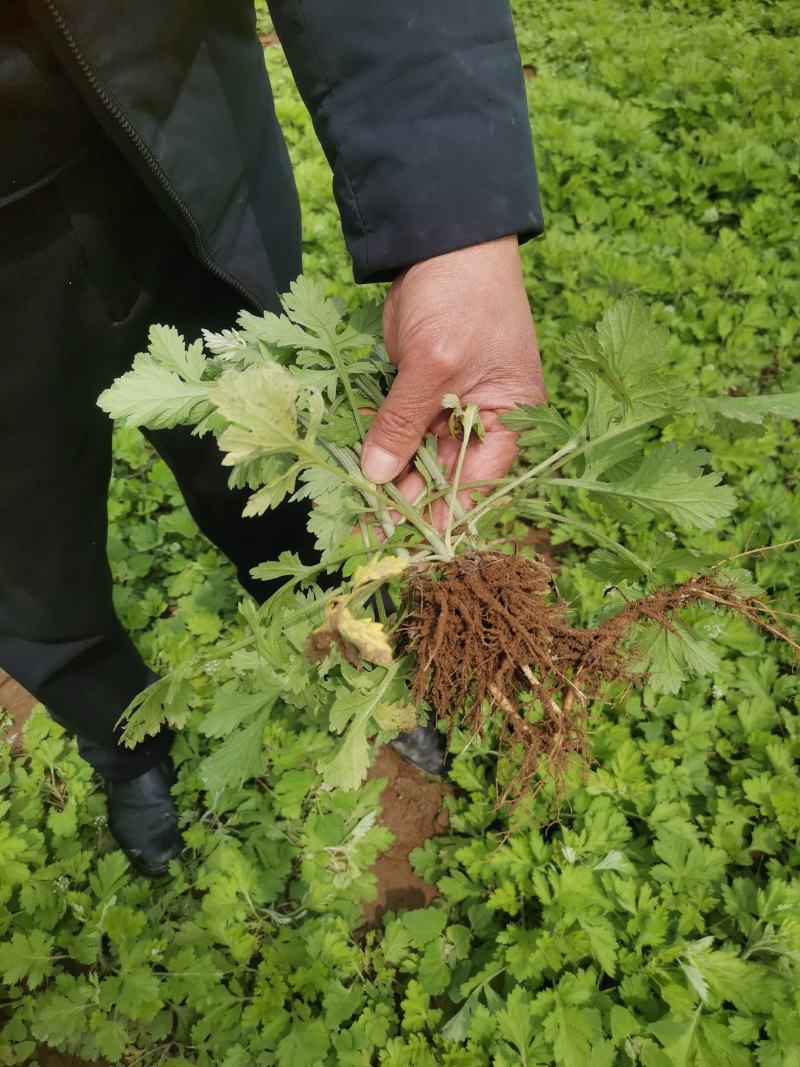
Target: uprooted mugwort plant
{"points": [[479, 632]]}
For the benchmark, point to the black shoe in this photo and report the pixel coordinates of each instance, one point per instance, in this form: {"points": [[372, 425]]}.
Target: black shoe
{"points": [[143, 819], [424, 748]]}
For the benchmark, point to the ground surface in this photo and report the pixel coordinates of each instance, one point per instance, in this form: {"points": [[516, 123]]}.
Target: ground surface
{"points": [[15, 699], [412, 808], [658, 921]]}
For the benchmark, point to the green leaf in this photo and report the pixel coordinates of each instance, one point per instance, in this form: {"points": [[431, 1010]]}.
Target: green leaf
{"points": [[425, 924], [395, 942], [261, 405], [270, 330], [602, 942], [231, 708], [152, 396], [348, 766], [433, 973], [633, 362], [537, 424], [306, 304], [514, 1021], [623, 1023], [165, 701], [670, 656], [110, 874], [274, 493], [60, 1013], [457, 1026], [136, 992], [670, 483], [169, 350], [305, 1045], [111, 1036], [27, 956], [728, 414], [332, 520], [237, 759], [340, 1004]]}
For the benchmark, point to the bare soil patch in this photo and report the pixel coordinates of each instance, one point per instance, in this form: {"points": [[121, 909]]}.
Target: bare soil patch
{"points": [[48, 1057], [413, 809], [19, 702]]}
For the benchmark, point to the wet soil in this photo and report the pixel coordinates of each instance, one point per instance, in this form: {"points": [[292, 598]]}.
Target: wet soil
{"points": [[48, 1057], [19, 702], [413, 809]]}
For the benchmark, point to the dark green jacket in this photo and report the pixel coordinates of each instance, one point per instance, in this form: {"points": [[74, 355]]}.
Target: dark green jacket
{"points": [[419, 106]]}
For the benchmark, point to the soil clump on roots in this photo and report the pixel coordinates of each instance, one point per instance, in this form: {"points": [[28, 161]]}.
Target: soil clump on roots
{"points": [[491, 638]]}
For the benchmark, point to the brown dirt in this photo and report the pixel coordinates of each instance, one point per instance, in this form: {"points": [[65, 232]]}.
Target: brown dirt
{"points": [[543, 547], [269, 40], [413, 809], [48, 1057], [19, 702], [489, 632]]}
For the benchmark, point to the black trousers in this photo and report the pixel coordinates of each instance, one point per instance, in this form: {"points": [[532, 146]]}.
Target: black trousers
{"points": [[87, 263]]}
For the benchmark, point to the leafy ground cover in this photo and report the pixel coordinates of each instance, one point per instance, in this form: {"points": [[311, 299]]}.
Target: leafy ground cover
{"points": [[658, 921]]}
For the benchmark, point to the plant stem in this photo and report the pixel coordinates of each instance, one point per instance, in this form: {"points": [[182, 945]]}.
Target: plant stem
{"points": [[542, 511], [349, 461], [575, 447], [344, 378], [371, 493], [467, 422], [348, 388], [411, 515], [379, 605], [427, 460]]}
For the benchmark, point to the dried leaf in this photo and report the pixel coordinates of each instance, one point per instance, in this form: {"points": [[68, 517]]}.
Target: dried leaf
{"points": [[356, 639]]}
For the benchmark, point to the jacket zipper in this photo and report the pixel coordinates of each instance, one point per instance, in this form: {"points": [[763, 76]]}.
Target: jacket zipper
{"points": [[121, 119]]}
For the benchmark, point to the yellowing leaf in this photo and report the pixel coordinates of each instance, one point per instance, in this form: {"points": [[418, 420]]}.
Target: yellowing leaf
{"points": [[357, 639], [260, 402], [380, 570], [397, 716], [367, 635]]}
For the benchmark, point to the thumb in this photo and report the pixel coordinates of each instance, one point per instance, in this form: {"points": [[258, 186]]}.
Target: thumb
{"points": [[398, 428]]}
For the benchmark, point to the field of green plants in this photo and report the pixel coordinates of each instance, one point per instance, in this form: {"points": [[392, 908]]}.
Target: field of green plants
{"points": [[653, 917]]}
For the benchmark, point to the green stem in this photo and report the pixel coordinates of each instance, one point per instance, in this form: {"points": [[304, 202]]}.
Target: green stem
{"points": [[344, 377], [379, 605], [542, 511], [390, 492], [506, 487], [412, 516], [571, 450], [371, 493], [427, 461], [467, 422]]}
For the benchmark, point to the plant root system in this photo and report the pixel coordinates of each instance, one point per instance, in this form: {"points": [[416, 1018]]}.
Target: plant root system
{"points": [[490, 638]]}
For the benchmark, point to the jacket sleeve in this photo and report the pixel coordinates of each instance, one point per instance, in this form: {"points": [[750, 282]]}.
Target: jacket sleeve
{"points": [[420, 108]]}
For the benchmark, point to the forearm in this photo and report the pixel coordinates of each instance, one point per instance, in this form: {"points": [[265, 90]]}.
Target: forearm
{"points": [[424, 121]]}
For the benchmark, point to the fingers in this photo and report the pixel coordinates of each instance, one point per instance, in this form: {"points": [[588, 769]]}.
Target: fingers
{"points": [[400, 424], [486, 460], [490, 459]]}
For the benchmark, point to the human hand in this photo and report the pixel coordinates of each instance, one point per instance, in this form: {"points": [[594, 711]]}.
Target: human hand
{"points": [[459, 323]]}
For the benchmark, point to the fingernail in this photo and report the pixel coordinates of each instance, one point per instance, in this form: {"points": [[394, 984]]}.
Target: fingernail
{"points": [[379, 465]]}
